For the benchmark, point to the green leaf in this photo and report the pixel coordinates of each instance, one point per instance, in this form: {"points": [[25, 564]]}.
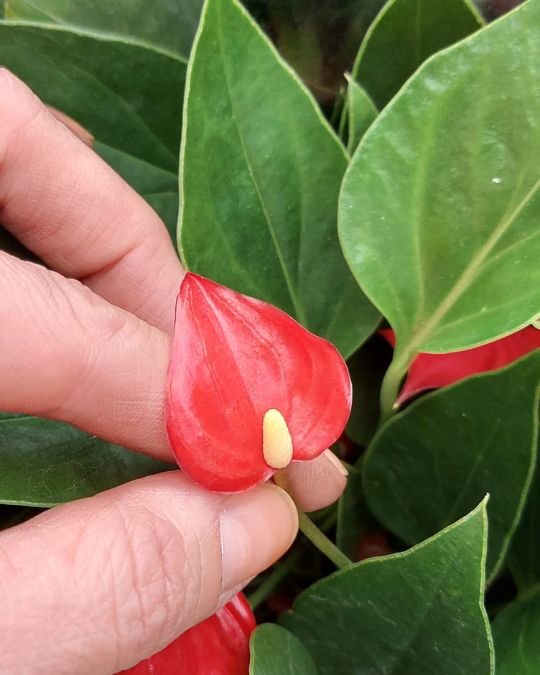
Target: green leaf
{"points": [[524, 555], [127, 95], [516, 633], [440, 206], [431, 463], [46, 463], [275, 651], [403, 36], [353, 517], [260, 176], [170, 24], [361, 112], [415, 612], [367, 367]]}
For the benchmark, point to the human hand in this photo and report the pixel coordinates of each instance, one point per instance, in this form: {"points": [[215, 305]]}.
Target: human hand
{"points": [[96, 585]]}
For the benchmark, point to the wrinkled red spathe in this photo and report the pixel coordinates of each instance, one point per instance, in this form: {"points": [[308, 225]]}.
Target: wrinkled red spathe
{"points": [[430, 371], [233, 358], [217, 646]]}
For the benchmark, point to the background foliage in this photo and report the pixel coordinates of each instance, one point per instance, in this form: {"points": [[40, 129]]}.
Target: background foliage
{"points": [[431, 227]]}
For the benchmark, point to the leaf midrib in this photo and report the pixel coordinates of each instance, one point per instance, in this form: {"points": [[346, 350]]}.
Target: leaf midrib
{"points": [[288, 281], [32, 5], [451, 513], [393, 668], [468, 275]]}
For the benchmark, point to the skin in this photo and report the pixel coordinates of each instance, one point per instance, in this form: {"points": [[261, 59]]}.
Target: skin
{"points": [[97, 585]]}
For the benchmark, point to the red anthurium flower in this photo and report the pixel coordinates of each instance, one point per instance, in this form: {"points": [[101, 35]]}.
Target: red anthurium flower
{"points": [[249, 389], [429, 371], [217, 646], [373, 545], [279, 603]]}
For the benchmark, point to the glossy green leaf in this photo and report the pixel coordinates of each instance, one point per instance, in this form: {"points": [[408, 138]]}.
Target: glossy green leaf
{"points": [[403, 36], [367, 367], [170, 24], [260, 175], [440, 206], [275, 651], [524, 555], [516, 633], [353, 517], [431, 463], [44, 463], [135, 119], [361, 112], [415, 612]]}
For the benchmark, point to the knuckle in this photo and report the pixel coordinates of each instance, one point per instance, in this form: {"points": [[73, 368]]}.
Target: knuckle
{"points": [[67, 309], [78, 311], [73, 326], [156, 572]]}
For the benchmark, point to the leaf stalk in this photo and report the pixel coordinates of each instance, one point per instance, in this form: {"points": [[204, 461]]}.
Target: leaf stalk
{"points": [[391, 384]]}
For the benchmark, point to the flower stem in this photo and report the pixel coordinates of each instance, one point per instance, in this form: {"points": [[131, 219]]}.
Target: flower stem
{"points": [[321, 541]]}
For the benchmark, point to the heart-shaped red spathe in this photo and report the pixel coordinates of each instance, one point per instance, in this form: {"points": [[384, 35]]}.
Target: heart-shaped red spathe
{"points": [[233, 359], [218, 645], [430, 371]]}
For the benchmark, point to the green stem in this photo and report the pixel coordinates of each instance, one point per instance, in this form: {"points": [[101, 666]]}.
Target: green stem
{"points": [[390, 386], [529, 592], [321, 541], [277, 575], [282, 568]]}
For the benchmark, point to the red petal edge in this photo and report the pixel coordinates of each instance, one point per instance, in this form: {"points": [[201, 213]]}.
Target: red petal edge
{"points": [[232, 359], [373, 545], [430, 371], [219, 645]]}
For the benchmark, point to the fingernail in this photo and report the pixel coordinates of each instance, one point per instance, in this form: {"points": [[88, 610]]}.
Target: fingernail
{"points": [[336, 462], [256, 528], [317, 483]]}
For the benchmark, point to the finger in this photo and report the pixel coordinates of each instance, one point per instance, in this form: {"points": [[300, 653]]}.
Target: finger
{"points": [[76, 358], [316, 484], [73, 211], [80, 132], [100, 231], [67, 354], [127, 571]]}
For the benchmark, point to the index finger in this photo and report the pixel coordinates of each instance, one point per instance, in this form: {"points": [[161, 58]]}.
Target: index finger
{"points": [[65, 204], [72, 210]]}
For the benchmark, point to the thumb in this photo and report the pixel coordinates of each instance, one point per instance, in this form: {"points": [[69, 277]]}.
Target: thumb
{"points": [[97, 585]]}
